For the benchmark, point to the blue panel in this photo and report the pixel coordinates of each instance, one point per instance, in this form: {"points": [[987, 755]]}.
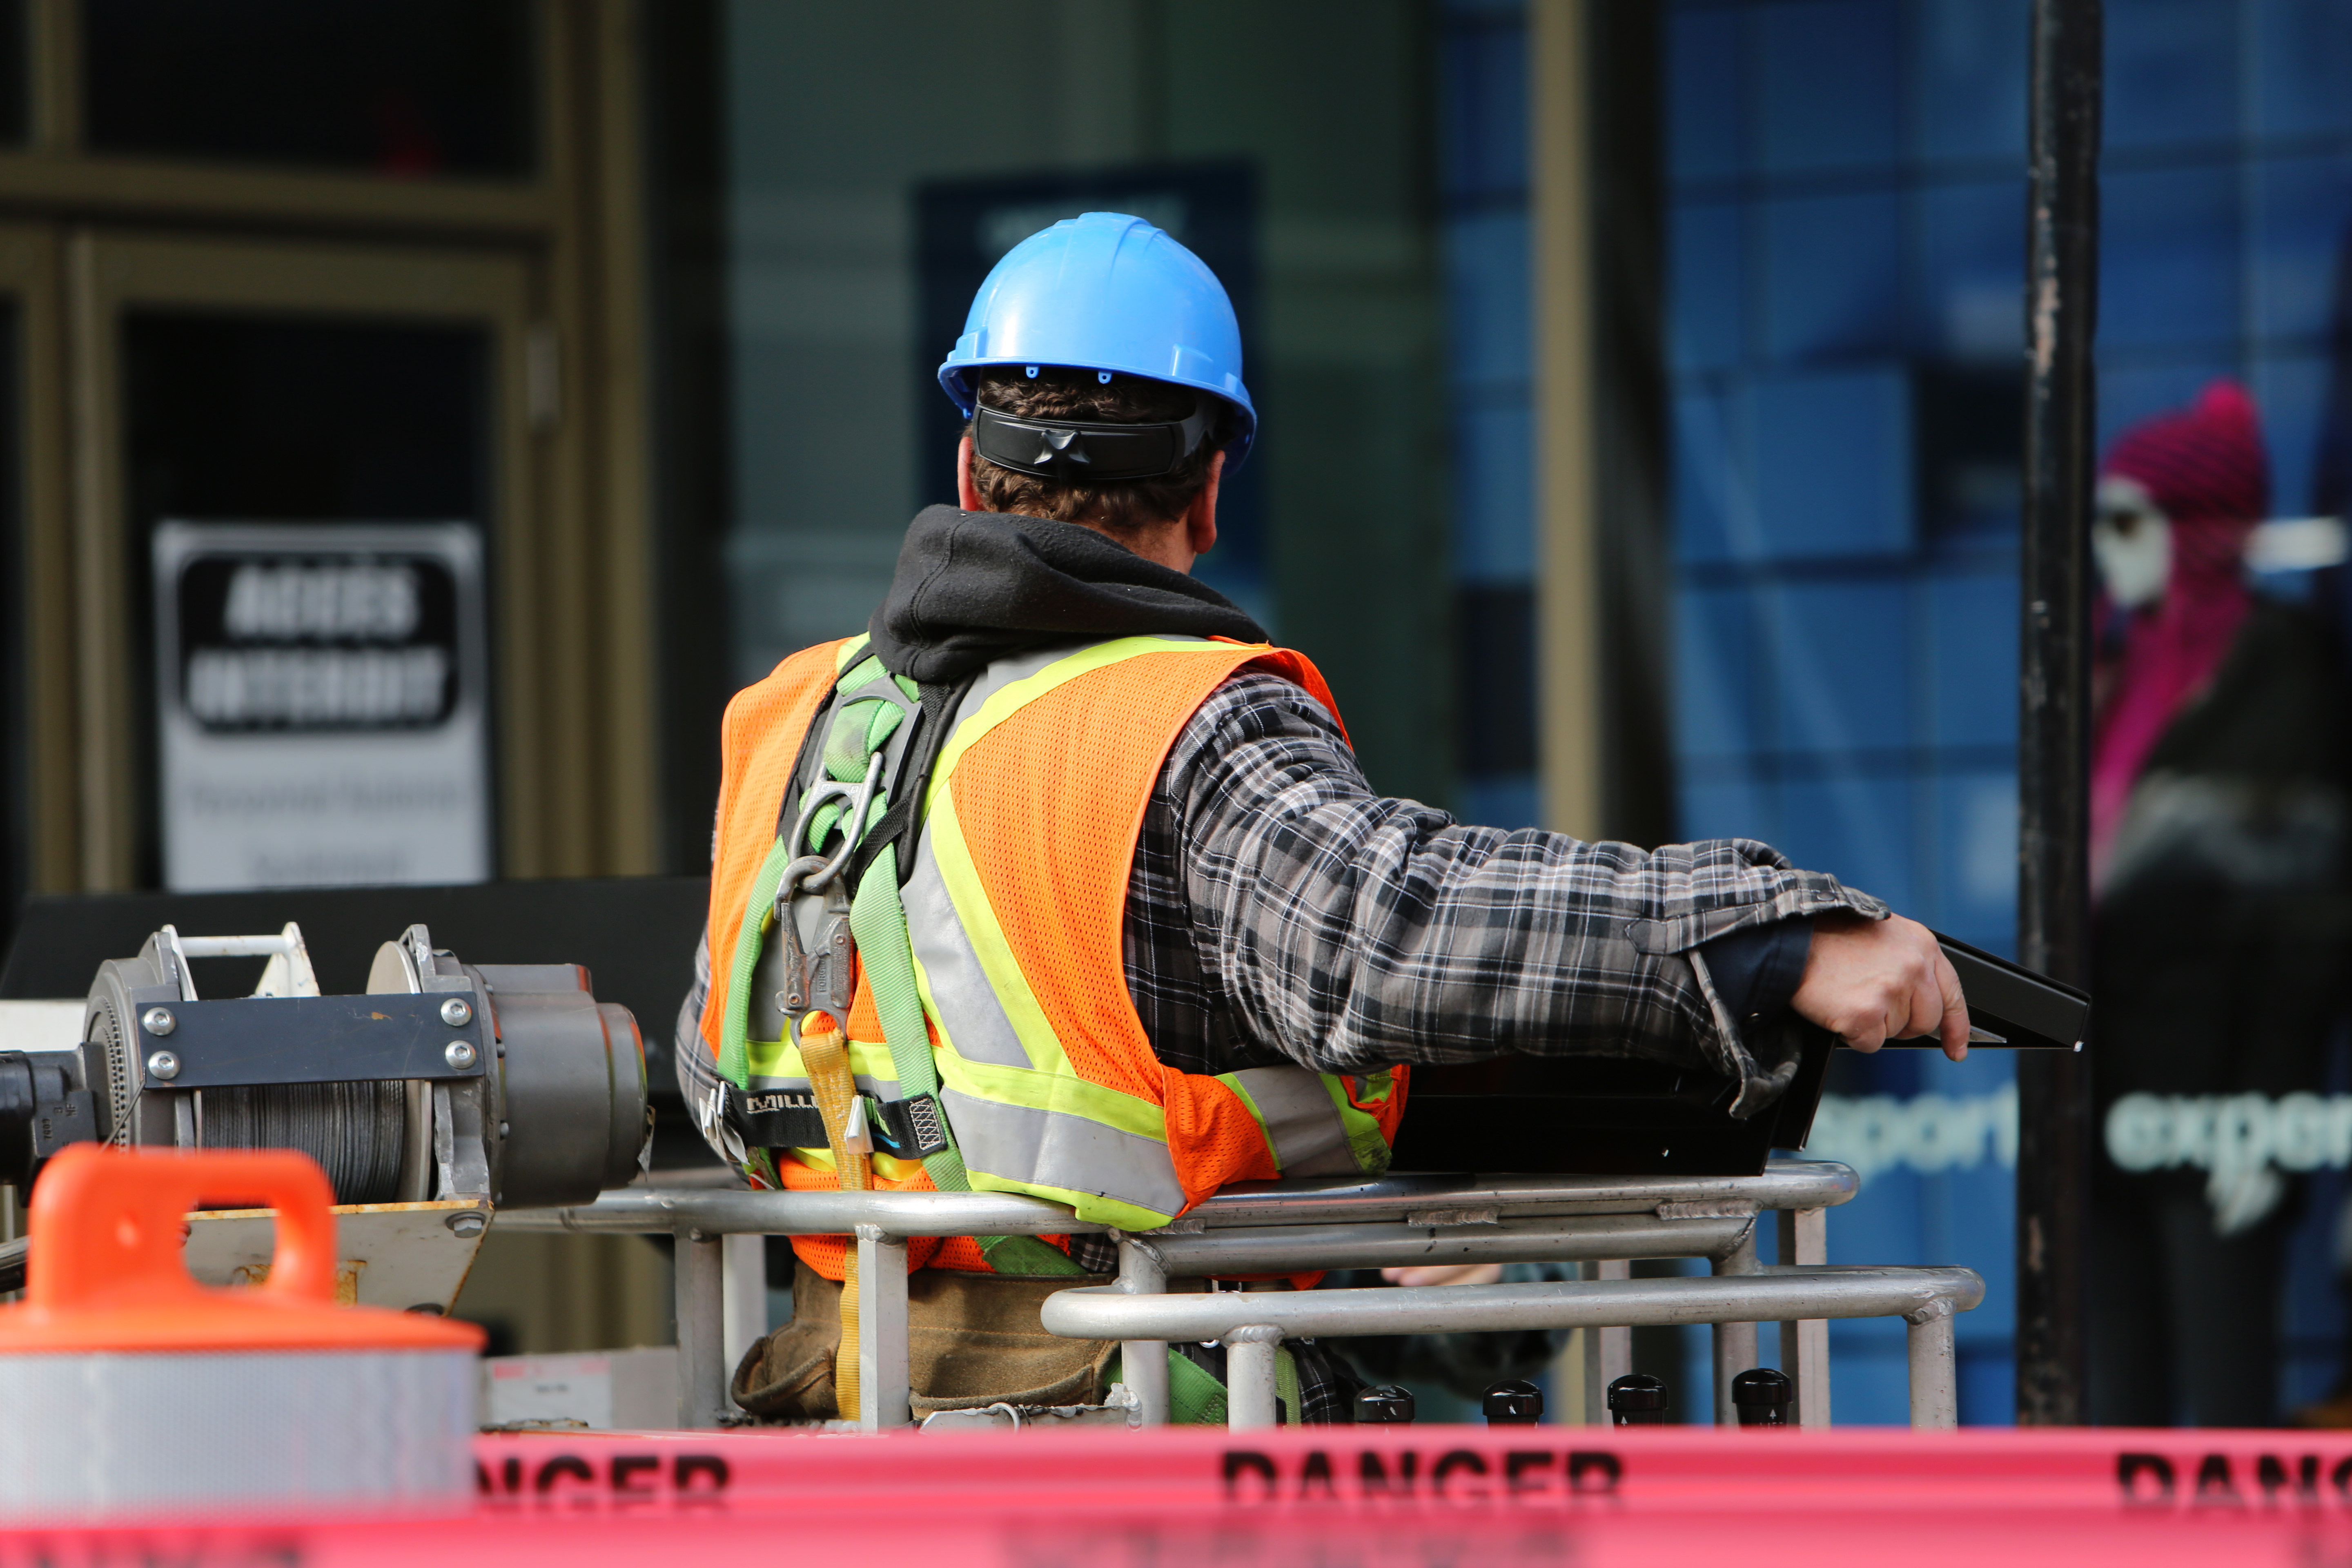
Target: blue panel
{"points": [[2173, 72], [1715, 505], [1730, 807], [2130, 393], [1717, 703], [1705, 137], [1828, 74], [1856, 828], [2302, 62], [2292, 393], [1833, 464], [1968, 71], [2167, 248], [1494, 493], [1513, 801], [1486, 110], [1838, 655], [1488, 324], [2303, 209], [1971, 660], [1975, 845], [1833, 275], [1971, 303], [1707, 288]]}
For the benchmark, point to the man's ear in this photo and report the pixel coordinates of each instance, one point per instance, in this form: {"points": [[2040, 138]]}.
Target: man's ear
{"points": [[968, 493], [1200, 517]]}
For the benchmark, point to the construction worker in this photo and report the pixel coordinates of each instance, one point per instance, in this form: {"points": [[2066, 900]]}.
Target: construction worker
{"points": [[1128, 925]]}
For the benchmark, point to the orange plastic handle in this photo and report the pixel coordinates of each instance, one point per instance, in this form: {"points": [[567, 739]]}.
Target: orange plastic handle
{"points": [[107, 1224]]}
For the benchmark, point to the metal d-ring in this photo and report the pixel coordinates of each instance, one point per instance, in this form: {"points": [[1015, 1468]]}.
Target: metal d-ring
{"points": [[852, 825]]}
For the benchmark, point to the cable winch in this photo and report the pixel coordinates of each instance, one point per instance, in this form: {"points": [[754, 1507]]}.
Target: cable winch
{"points": [[506, 1085]]}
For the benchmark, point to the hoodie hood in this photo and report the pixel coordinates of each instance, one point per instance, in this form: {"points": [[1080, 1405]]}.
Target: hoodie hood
{"points": [[974, 586]]}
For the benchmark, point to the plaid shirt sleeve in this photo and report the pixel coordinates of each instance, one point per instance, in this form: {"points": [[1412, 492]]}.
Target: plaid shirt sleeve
{"points": [[1349, 931]]}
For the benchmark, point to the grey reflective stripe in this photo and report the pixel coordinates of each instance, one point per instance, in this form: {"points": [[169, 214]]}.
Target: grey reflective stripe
{"points": [[1301, 1123], [966, 1004], [1049, 1148], [1003, 672]]}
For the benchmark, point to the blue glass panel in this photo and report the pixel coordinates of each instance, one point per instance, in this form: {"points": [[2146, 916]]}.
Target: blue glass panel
{"points": [[1707, 288], [1713, 496], [1833, 275], [1968, 69], [1838, 655], [2171, 72], [1704, 138], [1718, 706], [2302, 62], [2130, 393], [1857, 828], [1833, 464], [1514, 802], [1976, 854], [2169, 254], [1494, 493], [2292, 393], [1486, 109], [1488, 308], [1971, 302], [1730, 807], [1828, 70], [1972, 636], [2302, 212]]}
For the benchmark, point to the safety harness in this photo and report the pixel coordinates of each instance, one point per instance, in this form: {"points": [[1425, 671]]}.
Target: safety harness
{"points": [[835, 873]]}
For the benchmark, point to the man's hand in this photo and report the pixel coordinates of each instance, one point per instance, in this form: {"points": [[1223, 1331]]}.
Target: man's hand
{"points": [[1869, 982], [1445, 1274]]}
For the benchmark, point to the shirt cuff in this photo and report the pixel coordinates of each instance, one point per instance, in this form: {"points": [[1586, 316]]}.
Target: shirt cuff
{"points": [[1758, 968]]}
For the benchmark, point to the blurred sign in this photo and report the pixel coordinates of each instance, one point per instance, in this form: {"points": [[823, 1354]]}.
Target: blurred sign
{"points": [[320, 700]]}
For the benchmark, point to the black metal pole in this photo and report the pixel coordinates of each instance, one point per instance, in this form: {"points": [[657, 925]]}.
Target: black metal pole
{"points": [[2053, 1090]]}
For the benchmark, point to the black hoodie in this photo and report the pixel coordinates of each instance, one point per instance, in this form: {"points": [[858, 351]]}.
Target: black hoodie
{"points": [[975, 586]]}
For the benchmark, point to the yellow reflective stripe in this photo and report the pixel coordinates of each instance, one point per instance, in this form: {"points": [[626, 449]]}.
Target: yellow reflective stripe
{"points": [[1065, 1094], [1365, 1139], [1012, 698], [781, 1058], [1249, 1103], [988, 944], [1049, 1082], [1089, 1206]]}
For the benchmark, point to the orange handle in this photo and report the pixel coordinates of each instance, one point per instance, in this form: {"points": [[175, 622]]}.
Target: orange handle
{"points": [[106, 1224]]}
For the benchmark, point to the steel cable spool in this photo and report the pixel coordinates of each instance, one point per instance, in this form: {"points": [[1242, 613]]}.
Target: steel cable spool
{"points": [[132, 1391], [355, 1131]]}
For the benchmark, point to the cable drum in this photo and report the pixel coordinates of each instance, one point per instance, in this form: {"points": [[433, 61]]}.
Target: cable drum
{"points": [[354, 1130]]}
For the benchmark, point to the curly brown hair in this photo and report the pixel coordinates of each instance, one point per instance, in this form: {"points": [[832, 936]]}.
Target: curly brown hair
{"points": [[1120, 505]]}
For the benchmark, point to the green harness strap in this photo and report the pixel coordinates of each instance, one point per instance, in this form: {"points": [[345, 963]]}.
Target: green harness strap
{"points": [[878, 922]]}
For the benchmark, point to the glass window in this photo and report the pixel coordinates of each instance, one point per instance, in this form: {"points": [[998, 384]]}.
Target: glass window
{"points": [[411, 89]]}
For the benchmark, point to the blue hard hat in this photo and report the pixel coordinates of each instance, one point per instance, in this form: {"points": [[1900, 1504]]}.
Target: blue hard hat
{"points": [[1104, 291]]}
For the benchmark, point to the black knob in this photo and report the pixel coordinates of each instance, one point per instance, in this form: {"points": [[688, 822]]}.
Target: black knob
{"points": [[1761, 1397], [1513, 1405], [1385, 1403], [1637, 1399]]}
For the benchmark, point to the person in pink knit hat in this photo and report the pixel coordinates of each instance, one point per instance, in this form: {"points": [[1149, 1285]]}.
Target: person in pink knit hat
{"points": [[2219, 802]]}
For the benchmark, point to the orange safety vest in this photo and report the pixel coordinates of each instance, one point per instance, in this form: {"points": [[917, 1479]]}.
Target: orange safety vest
{"points": [[1014, 904]]}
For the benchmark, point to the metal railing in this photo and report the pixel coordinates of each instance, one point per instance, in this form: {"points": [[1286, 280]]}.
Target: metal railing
{"points": [[1598, 1222]]}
